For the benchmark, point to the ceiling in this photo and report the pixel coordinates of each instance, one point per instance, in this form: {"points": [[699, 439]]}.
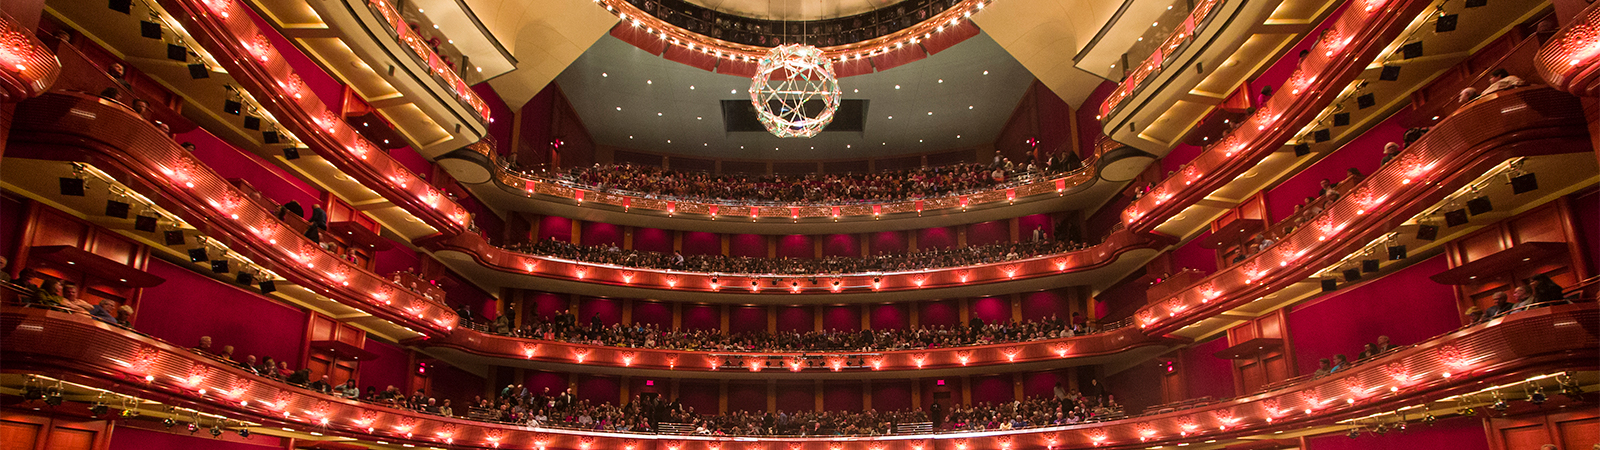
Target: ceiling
{"points": [[632, 99], [793, 9]]}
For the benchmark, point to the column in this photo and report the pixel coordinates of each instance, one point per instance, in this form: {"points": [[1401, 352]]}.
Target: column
{"points": [[1012, 226], [866, 394], [772, 396], [627, 312], [866, 316], [912, 309], [722, 396], [677, 240], [677, 321], [816, 391], [1016, 307], [772, 318], [964, 311], [627, 238], [577, 231], [723, 309]]}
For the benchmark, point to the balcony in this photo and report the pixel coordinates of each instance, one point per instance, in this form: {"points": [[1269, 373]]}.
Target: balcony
{"points": [[1570, 61], [27, 67], [1501, 354], [112, 138]]}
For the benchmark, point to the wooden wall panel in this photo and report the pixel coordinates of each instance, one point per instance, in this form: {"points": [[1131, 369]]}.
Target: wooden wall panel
{"points": [[1568, 429]]}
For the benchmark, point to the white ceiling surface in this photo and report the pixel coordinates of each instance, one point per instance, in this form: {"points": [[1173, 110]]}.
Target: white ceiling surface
{"points": [[658, 105], [793, 9], [1044, 35], [544, 36]]}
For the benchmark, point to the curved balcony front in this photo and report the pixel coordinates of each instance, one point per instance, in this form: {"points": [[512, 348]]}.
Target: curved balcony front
{"points": [[78, 127], [27, 67], [79, 349], [1520, 122], [474, 257], [250, 58], [1354, 39], [1570, 60]]}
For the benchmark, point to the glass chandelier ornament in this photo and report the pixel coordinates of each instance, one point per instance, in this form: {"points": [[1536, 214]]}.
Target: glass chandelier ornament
{"points": [[794, 91]]}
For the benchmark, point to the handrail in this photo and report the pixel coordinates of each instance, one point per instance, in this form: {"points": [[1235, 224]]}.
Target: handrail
{"points": [[117, 136], [1420, 175], [252, 60], [1153, 64], [27, 67], [1508, 348], [1569, 60], [1353, 38], [452, 79]]}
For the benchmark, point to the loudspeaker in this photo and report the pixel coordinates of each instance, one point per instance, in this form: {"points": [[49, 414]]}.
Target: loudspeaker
{"points": [[1330, 284], [72, 187], [1479, 205], [1446, 23], [197, 254], [1524, 183], [1302, 149], [291, 153], [232, 106], [145, 223], [150, 29], [267, 286], [1390, 73], [1341, 119], [121, 6], [1455, 218], [1476, 3], [1411, 50], [219, 266], [1322, 135], [1427, 232], [252, 122], [174, 237], [1397, 253], [1365, 101], [1369, 265], [270, 137], [1351, 275], [116, 209], [244, 278], [199, 71], [177, 53]]}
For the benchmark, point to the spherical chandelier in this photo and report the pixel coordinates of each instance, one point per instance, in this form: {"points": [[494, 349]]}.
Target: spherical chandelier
{"points": [[794, 91]]}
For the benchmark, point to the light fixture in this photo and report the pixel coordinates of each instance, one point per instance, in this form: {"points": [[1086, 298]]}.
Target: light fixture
{"points": [[787, 79]]}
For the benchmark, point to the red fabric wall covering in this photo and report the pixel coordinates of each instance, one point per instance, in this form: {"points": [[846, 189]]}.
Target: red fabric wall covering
{"points": [[891, 395], [130, 438], [747, 396], [796, 246], [555, 227], [991, 309], [1043, 384], [1191, 255], [1042, 222], [841, 245], [601, 233], [389, 369], [1364, 153], [941, 237], [795, 318], [850, 68], [841, 317], [701, 243], [1055, 123], [1121, 299], [1456, 433], [988, 233], [938, 312], [1098, 225], [890, 316], [887, 242], [843, 395], [189, 305], [1046, 304], [699, 394], [992, 389], [500, 117], [747, 319], [1089, 129], [414, 162], [652, 313], [701, 317], [751, 245], [1406, 306], [458, 385], [608, 310], [599, 389], [797, 396], [1205, 375], [537, 381], [1179, 156], [396, 259], [1136, 388], [231, 162], [545, 305], [930, 387], [459, 291], [652, 240], [533, 141], [1586, 212]]}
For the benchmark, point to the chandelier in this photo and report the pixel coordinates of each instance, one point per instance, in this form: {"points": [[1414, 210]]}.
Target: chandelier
{"points": [[794, 91]]}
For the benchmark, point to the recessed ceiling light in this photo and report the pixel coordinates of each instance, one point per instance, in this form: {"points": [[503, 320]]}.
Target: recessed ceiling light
{"points": [[1141, 39], [1155, 23], [857, 91], [649, 82], [1113, 66], [847, 146], [886, 143], [449, 41], [733, 91], [698, 118], [619, 108], [958, 136], [1169, 8], [741, 147], [421, 10], [813, 148], [930, 113], [774, 149], [897, 86], [919, 140], [891, 117], [630, 136], [985, 72], [669, 141], [435, 27], [706, 144], [658, 114], [603, 75], [941, 80], [691, 87]]}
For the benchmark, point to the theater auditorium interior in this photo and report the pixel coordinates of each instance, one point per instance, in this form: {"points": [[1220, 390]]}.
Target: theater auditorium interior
{"points": [[907, 224]]}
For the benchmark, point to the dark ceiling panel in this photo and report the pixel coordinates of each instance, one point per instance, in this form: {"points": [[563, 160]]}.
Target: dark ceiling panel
{"points": [[740, 116]]}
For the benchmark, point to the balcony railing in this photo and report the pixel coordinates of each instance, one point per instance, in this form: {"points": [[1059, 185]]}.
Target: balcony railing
{"points": [[252, 60], [27, 67], [1473, 138], [419, 47], [1333, 62], [1570, 61], [118, 139], [1506, 349], [1154, 64]]}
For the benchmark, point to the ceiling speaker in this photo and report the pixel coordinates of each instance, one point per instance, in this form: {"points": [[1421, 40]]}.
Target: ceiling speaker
{"points": [[1330, 284], [1412, 50], [1322, 135], [1446, 23], [1455, 218], [1302, 149], [1524, 183], [197, 254], [1397, 253], [1369, 265], [1341, 119], [1389, 73], [145, 223], [1351, 275], [1427, 232], [1366, 101], [199, 71], [72, 187], [219, 266], [267, 286], [177, 53], [174, 237], [150, 29], [117, 209], [1479, 205]]}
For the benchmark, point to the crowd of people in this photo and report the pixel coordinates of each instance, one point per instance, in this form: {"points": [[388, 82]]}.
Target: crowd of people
{"points": [[35, 289], [1339, 362], [883, 262], [880, 186], [564, 327], [1537, 290]]}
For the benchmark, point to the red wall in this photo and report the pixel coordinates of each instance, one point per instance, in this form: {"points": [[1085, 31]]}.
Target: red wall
{"points": [[556, 227], [389, 369], [1026, 225], [1045, 304], [1207, 375], [654, 313], [1363, 153], [886, 242], [841, 245], [601, 233], [1406, 306], [1043, 384], [230, 162], [938, 312], [1190, 255], [609, 311], [545, 304], [500, 117], [891, 395], [941, 237], [536, 382], [890, 316], [844, 395], [701, 317], [702, 243], [598, 389], [991, 309], [455, 384], [1089, 128], [841, 317], [652, 240], [992, 389], [797, 396], [1459, 433], [699, 394], [168, 311], [988, 233], [1586, 211], [1135, 388], [795, 246], [747, 396], [747, 319], [795, 318], [752, 245], [1180, 155]]}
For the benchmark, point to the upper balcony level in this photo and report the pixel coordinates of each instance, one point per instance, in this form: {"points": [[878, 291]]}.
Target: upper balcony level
{"points": [[27, 66], [1568, 61]]}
